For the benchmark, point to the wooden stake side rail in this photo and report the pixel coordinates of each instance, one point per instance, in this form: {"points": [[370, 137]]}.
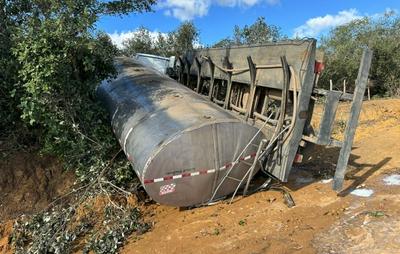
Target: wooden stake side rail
{"points": [[254, 90], [259, 95]]}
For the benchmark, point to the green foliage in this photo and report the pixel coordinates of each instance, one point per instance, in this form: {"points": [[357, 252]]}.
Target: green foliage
{"points": [[164, 45], [9, 69], [61, 230], [46, 233], [343, 49], [174, 43], [226, 42], [185, 37], [258, 32], [243, 222], [59, 72], [113, 237], [52, 59], [140, 42], [376, 214]]}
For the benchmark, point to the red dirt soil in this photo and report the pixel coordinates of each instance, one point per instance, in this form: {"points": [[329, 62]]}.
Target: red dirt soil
{"points": [[321, 221], [28, 183]]}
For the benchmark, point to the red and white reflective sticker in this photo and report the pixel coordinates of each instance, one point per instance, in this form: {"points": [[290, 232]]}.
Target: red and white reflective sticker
{"points": [[298, 158], [197, 172], [168, 188]]}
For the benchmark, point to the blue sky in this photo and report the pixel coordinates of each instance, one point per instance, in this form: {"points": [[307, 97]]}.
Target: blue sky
{"points": [[216, 18]]}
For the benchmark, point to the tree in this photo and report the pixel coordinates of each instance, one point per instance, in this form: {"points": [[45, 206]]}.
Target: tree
{"points": [[140, 42], [258, 32], [174, 43], [226, 42], [185, 38], [160, 45], [52, 58], [344, 45], [9, 113]]}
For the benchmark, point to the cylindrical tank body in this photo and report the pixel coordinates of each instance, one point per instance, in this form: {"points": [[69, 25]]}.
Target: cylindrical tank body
{"points": [[179, 143]]}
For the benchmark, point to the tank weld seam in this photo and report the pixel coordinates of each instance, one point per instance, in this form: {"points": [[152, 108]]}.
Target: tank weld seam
{"points": [[198, 172]]}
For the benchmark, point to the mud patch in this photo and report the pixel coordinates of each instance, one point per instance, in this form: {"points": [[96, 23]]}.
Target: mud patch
{"points": [[28, 183], [369, 231]]}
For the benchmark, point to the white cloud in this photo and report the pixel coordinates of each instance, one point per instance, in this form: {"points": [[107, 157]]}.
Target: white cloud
{"points": [[315, 26], [185, 9], [189, 9], [233, 3], [118, 37]]}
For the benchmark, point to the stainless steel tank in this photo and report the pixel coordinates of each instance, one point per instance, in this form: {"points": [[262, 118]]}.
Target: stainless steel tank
{"points": [[180, 144]]}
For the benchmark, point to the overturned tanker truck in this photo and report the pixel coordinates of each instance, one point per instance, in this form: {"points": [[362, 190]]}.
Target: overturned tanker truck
{"points": [[236, 111]]}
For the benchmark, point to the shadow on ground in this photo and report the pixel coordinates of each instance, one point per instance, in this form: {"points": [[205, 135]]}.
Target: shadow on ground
{"points": [[319, 163]]}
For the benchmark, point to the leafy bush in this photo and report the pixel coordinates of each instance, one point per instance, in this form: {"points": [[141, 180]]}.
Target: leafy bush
{"points": [[343, 49], [112, 239], [258, 32], [51, 60], [64, 230], [174, 43]]}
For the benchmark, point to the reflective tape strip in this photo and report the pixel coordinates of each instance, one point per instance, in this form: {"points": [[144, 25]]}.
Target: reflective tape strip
{"points": [[198, 172], [247, 158], [298, 158], [210, 171]]}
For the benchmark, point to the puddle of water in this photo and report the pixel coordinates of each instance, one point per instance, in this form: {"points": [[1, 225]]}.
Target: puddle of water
{"points": [[327, 180], [392, 179], [362, 192]]}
